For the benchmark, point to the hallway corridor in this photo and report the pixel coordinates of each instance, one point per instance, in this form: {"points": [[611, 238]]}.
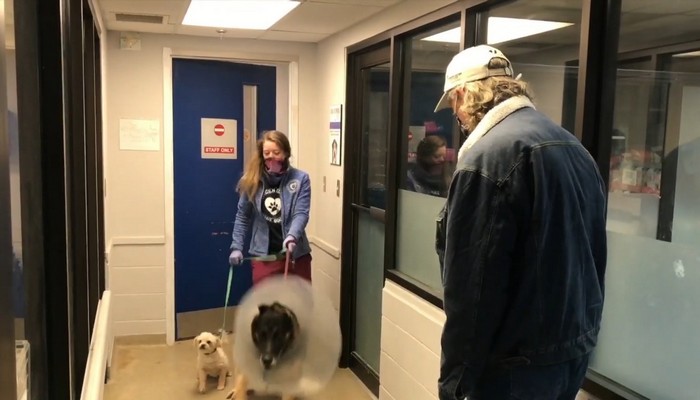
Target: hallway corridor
{"points": [[157, 371]]}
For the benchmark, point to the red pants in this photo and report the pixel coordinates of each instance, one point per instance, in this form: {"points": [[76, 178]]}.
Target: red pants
{"points": [[263, 269]]}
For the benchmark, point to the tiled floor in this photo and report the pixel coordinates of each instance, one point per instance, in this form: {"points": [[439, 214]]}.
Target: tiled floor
{"points": [[157, 372]]}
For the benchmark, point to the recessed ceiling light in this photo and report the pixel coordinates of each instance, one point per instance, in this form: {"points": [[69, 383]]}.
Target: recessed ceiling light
{"points": [[448, 36], [502, 29], [237, 14], [688, 54]]}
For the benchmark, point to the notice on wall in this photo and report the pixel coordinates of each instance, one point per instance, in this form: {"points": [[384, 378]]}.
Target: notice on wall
{"points": [[139, 134], [219, 138]]}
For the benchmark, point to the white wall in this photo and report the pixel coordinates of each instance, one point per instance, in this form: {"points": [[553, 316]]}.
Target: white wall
{"points": [[135, 191], [409, 322]]}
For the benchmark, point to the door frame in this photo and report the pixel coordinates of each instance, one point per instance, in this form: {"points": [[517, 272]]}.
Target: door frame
{"points": [[366, 58], [169, 53]]}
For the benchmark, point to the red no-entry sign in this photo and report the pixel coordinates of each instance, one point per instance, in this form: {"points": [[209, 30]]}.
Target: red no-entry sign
{"points": [[219, 130]]}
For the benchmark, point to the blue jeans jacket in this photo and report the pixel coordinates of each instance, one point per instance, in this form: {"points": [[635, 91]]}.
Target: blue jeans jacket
{"points": [[524, 251], [296, 201]]}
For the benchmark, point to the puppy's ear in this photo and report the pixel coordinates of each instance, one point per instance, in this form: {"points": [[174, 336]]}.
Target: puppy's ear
{"points": [[218, 341], [262, 308], [196, 339], [293, 321], [254, 328], [278, 307]]}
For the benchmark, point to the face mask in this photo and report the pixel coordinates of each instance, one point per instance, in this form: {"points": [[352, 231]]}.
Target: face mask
{"points": [[275, 166]]}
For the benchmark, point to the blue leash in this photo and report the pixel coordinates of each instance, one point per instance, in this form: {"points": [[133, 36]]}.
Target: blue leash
{"points": [[228, 293], [271, 257]]}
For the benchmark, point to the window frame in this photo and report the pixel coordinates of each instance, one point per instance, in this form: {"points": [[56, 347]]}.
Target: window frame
{"points": [[594, 97]]}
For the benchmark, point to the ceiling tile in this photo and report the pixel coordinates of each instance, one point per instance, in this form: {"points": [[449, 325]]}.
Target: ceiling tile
{"points": [[311, 21], [294, 36], [324, 17], [376, 3], [174, 9]]}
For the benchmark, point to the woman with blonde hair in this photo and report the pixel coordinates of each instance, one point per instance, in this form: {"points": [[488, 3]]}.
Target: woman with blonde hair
{"points": [[274, 200]]}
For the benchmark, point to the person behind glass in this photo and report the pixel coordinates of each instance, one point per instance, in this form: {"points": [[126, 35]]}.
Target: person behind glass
{"points": [[525, 246], [428, 174], [274, 200]]}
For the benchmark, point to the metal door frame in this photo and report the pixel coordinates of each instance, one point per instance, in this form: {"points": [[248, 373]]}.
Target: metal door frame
{"points": [[357, 62], [169, 54]]}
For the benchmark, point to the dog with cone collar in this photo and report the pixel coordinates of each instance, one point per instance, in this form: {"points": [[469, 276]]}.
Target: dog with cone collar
{"points": [[274, 330]]}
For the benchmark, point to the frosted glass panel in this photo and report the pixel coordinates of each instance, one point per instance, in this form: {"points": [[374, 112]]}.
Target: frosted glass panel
{"points": [[416, 255], [686, 218], [370, 281], [650, 339]]}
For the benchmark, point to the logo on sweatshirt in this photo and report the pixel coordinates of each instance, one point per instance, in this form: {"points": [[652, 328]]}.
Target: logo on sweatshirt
{"points": [[293, 185]]}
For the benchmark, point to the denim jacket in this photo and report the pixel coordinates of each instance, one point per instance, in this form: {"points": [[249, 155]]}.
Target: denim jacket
{"points": [[296, 201], [523, 249]]}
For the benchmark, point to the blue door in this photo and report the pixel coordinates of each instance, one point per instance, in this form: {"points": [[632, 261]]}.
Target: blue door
{"points": [[209, 105]]}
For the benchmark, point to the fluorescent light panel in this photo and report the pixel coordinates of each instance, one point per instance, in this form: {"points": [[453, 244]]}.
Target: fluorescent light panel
{"points": [[689, 54], [502, 29], [237, 14]]}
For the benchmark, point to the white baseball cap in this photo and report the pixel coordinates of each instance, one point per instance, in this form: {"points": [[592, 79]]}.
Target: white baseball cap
{"points": [[471, 65]]}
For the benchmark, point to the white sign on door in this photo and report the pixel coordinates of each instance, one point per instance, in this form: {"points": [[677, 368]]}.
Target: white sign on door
{"points": [[219, 138]]}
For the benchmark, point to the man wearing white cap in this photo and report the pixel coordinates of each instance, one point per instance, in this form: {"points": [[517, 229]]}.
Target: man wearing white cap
{"points": [[525, 247]]}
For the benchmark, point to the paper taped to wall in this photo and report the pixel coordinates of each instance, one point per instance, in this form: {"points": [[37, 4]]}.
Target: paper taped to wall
{"points": [[139, 134]]}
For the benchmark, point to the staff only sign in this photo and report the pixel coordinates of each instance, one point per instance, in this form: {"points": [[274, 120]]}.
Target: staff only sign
{"points": [[219, 138]]}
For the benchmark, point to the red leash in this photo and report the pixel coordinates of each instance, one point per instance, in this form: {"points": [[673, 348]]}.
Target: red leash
{"points": [[286, 264]]}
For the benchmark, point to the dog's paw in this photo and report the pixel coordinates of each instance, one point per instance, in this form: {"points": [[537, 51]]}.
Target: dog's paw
{"points": [[220, 387], [234, 395]]}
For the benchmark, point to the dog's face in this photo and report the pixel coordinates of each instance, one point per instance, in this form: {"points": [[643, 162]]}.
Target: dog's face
{"points": [[274, 330], [207, 343]]}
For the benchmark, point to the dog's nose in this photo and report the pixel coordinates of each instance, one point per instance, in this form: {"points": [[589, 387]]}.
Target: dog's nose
{"points": [[266, 360], [202, 346]]}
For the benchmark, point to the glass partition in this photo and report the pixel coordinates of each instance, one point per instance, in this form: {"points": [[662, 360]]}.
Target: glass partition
{"points": [[542, 42], [18, 288], [649, 339], [429, 146]]}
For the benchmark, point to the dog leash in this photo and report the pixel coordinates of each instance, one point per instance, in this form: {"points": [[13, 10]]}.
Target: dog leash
{"points": [[286, 264], [228, 293], [269, 257]]}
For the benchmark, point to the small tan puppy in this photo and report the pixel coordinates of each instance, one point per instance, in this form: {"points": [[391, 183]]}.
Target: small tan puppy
{"points": [[211, 360]]}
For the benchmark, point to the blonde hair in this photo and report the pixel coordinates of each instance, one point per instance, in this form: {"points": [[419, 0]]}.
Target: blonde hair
{"points": [[483, 95], [250, 181]]}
